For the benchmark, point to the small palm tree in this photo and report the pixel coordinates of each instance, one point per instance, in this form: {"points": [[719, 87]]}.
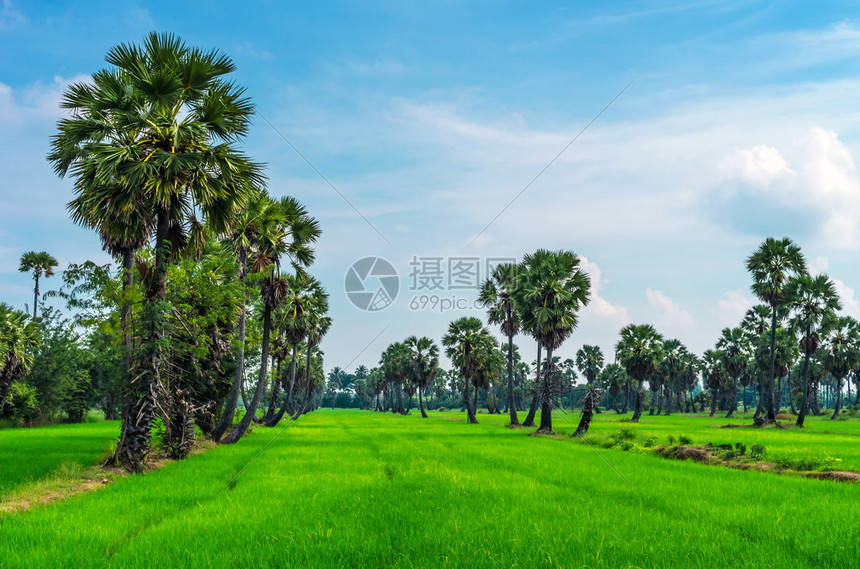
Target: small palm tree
{"points": [[639, 351], [552, 290], [842, 353], [589, 361], [772, 266], [813, 302], [469, 346], [424, 364], [395, 365], [497, 296], [40, 264], [733, 347], [19, 340]]}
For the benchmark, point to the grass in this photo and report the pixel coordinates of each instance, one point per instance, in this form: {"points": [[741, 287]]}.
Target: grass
{"points": [[29, 455], [362, 489]]}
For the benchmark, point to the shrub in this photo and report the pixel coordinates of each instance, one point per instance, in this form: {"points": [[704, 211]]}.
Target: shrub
{"points": [[625, 434], [741, 448], [685, 440], [671, 440], [440, 409], [803, 461], [22, 405], [757, 450]]}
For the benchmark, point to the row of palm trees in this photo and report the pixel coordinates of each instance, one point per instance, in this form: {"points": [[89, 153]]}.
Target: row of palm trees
{"points": [[543, 294], [152, 144]]}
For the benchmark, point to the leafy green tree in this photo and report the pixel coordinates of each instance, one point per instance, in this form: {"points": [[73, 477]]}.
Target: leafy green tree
{"points": [[772, 266], [639, 351], [552, 289], [813, 302], [496, 295], [40, 264]]}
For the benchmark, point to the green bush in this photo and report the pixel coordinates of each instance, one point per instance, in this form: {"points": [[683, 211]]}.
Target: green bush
{"points": [[22, 406], [757, 450], [803, 461], [685, 440]]}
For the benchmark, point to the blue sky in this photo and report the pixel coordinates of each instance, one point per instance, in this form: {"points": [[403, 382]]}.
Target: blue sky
{"points": [[743, 121]]}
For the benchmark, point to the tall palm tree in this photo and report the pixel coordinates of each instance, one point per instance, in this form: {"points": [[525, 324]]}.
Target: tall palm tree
{"points": [[305, 304], [733, 347], [589, 361], [497, 296], [756, 323], [256, 224], [40, 264], [639, 351], [19, 340], [714, 373], [160, 126], [553, 288], [320, 326], [772, 265], [813, 302], [842, 353], [424, 364], [468, 345], [613, 377]]}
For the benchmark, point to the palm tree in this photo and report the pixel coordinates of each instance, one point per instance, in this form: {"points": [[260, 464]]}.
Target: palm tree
{"points": [[553, 288], [19, 340], [756, 323], [589, 361], [257, 224], [319, 327], [160, 127], [842, 353], [302, 314], [732, 346], [714, 373], [671, 368], [497, 296], [39, 264], [639, 351], [772, 265], [424, 364], [395, 365], [813, 302], [469, 346], [613, 377]]}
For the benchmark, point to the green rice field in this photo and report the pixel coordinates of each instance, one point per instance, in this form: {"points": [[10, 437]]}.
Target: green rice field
{"points": [[363, 489]]}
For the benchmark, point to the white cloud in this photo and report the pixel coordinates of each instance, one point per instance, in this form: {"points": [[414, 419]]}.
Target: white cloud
{"points": [[817, 265], [671, 320], [611, 316], [731, 307], [850, 305], [818, 187], [18, 107], [759, 165]]}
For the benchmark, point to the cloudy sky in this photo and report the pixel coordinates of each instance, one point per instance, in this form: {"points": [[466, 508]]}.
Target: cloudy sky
{"points": [[742, 121]]}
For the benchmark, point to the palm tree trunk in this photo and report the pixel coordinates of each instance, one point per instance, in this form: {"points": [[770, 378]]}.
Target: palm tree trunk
{"points": [[637, 408], [804, 402], [530, 417], [276, 390], [475, 401], [421, 403], [141, 401], [276, 417], [399, 390], [515, 420], [250, 412], [35, 294], [626, 396], [546, 396], [771, 415], [745, 398], [230, 408], [838, 402]]}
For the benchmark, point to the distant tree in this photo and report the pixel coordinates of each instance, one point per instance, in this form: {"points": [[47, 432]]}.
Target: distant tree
{"points": [[40, 264], [733, 345], [842, 353]]}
